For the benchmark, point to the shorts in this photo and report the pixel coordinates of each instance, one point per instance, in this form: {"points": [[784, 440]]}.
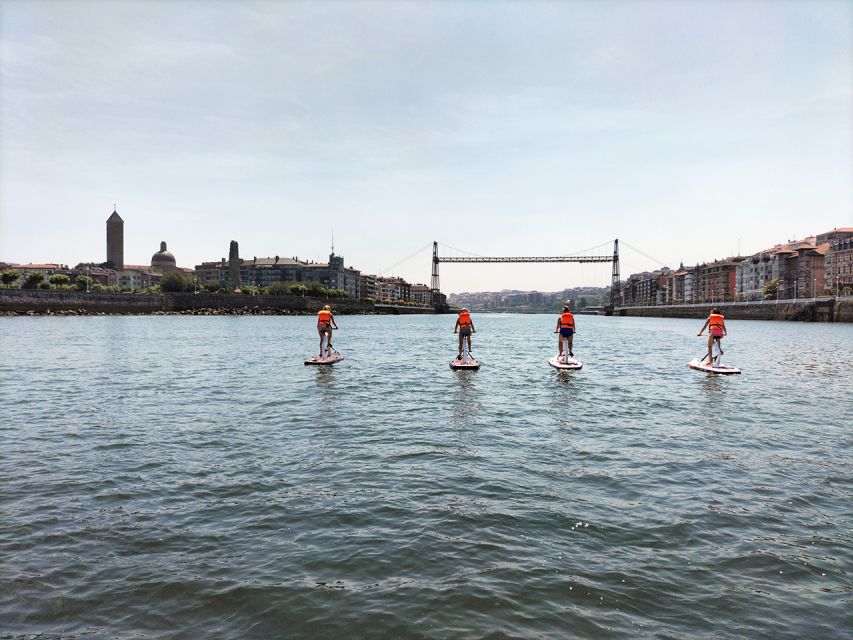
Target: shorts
{"points": [[323, 327], [716, 333], [464, 331], [566, 333]]}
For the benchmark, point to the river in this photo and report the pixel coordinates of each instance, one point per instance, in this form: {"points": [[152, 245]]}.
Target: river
{"points": [[189, 477]]}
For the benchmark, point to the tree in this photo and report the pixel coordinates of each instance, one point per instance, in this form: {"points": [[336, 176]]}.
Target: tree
{"points": [[33, 280], [10, 276], [175, 281], [83, 282], [104, 265], [59, 279], [770, 288]]}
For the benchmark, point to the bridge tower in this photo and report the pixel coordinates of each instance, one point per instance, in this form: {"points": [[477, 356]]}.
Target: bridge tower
{"points": [[614, 281], [435, 288]]}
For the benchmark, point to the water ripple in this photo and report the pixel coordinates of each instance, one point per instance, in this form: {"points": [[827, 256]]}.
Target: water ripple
{"points": [[172, 477]]}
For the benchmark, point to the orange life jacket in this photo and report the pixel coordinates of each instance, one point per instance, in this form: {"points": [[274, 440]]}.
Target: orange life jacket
{"points": [[716, 320], [464, 319], [567, 321], [324, 317]]}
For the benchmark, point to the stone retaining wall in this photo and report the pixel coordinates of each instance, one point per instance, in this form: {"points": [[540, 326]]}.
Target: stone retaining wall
{"points": [[40, 301], [827, 310]]}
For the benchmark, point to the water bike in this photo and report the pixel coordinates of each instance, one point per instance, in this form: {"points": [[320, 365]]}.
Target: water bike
{"points": [[330, 355], [714, 366], [565, 362], [467, 361]]}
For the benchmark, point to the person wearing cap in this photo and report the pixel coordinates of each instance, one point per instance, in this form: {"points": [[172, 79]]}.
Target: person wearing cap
{"points": [[464, 327], [565, 329], [325, 324]]}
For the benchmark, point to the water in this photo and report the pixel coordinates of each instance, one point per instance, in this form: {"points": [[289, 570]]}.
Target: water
{"points": [[189, 477]]}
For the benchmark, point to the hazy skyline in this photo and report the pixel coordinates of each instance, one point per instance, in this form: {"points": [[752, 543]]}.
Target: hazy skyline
{"points": [[684, 129]]}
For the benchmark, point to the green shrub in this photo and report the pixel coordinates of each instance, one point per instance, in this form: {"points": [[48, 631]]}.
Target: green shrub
{"points": [[44, 285], [58, 279], [81, 281], [33, 280], [10, 276], [176, 281]]}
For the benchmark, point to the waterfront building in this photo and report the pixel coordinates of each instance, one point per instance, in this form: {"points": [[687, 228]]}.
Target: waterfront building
{"points": [[675, 286], [101, 275], [689, 278], [163, 260], [646, 288], [837, 259], [367, 287], [802, 274], [716, 281], [841, 281], [115, 240], [755, 272], [262, 272], [421, 294], [47, 268], [334, 275], [392, 289], [137, 276]]}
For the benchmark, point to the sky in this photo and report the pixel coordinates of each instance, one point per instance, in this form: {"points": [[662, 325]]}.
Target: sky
{"points": [[689, 130]]}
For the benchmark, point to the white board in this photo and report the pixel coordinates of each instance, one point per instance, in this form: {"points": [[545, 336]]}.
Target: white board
{"points": [[332, 359], [562, 362], [463, 363], [722, 369]]}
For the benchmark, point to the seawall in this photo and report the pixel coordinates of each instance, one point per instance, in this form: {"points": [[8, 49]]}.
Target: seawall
{"points": [[820, 310], [23, 301]]}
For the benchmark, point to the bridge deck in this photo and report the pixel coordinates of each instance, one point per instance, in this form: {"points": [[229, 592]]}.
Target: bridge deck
{"points": [[529, 259]]}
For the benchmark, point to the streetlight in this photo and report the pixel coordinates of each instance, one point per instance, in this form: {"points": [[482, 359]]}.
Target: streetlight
{"points": [[87, 279], [814, 288]]}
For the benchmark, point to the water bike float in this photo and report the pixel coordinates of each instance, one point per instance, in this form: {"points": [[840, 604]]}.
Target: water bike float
{"points": [[565, 362], [465, 362], [719, 369], [332, 359]]}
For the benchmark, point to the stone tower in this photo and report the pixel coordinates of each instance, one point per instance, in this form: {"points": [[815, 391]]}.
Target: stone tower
{"points": [[234, 281], [115, 240]]}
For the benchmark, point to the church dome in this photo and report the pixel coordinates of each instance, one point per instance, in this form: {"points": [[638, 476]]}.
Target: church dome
{"points": [[163, 259]]}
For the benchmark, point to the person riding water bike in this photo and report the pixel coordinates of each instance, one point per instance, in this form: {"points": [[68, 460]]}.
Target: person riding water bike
{"points": [[716, 325], [464, 327], [566, 329], [325, 324]]}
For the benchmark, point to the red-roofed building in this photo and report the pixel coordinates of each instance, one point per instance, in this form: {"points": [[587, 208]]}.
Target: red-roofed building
{"points": [[803, 272]]}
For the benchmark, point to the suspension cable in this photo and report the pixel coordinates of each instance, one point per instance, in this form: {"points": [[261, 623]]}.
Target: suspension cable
{"points": [[408, 257], [660, 263]]}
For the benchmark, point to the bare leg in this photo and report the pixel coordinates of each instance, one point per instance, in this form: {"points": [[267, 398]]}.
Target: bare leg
{"points": [[710, 346], [559, 345], [461, 338], [569, 344], [468, 338], [322, 335]]}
